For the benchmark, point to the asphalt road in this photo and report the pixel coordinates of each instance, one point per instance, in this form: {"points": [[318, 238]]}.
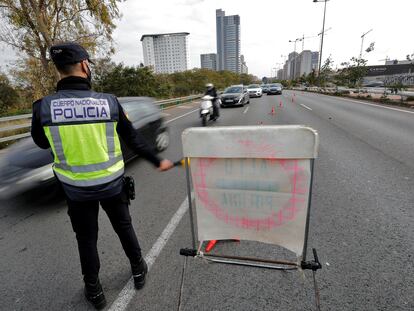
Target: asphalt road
{"points": [[361, 224]]}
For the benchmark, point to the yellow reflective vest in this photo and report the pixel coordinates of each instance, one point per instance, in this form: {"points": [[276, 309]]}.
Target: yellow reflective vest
{"points": [[81, 128]]}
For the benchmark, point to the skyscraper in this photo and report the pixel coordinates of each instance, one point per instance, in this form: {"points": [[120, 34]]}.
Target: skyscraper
{"points": [[208, 61], [243, 65], [305, 67], [292, 58], [228, 41], [166, 52], [315, 61]]}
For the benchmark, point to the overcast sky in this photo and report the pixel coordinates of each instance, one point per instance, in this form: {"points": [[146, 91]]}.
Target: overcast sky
{"points": [[267, 26]]}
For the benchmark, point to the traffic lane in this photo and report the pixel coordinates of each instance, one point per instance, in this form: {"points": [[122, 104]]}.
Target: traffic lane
{"points": [[391, 131], [352, 225], [363, 198], [173, 112]]}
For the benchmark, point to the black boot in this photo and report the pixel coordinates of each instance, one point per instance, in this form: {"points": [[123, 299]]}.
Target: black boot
{"points": [[139, 272], [94, 294]]}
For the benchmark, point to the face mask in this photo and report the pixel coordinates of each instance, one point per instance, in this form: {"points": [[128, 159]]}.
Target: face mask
{"points": [[89, 74]]}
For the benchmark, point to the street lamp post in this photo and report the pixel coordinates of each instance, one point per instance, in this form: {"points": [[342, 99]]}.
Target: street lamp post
{"points": [[323, 32], [362, 42]]}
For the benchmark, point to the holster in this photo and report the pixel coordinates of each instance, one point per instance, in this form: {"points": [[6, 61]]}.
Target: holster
{"points": [[129, 187]]}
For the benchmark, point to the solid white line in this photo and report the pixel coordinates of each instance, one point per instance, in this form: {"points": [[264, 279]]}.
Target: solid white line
{"points": [[364, 103], [245, 110], [186, 114], [375, 105], [165, 114], [184, 107], [304, 106], [128, 292]]}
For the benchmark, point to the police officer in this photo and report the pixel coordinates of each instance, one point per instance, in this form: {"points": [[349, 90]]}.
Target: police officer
{"points": [[82, 128], [211, 91]]}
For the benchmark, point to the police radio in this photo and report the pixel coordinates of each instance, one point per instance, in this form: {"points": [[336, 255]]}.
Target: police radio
{"points": [[129, 185]]}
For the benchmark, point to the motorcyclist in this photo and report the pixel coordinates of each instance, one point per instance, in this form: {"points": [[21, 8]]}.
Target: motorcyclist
{"points": [[211, 91]]}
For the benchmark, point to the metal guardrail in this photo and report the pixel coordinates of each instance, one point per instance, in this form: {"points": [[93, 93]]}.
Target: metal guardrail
{"points": [[163, 104]]}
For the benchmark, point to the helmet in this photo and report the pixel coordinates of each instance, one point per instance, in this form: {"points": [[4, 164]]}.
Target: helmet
{"points": [[209, 86]]}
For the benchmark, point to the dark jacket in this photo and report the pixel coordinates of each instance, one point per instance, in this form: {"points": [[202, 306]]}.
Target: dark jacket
{"points": [[211, 92], [125, 130]]}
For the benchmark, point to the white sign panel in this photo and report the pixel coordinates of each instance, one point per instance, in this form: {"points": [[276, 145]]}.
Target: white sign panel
{"points": [[250, 193]]}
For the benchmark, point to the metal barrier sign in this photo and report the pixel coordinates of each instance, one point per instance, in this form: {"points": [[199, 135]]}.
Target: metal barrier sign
{"points": [[252, 182]]}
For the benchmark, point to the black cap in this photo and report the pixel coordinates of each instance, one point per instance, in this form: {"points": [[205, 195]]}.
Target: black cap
{"points": [[68, 53]]}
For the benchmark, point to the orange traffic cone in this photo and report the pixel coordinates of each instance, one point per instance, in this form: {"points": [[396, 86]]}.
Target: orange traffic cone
{"points": [[273, 111], [210, 245], [280, 104]]}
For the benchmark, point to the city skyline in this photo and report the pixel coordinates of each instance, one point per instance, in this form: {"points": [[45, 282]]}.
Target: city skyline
{"points": [[266, 31]]}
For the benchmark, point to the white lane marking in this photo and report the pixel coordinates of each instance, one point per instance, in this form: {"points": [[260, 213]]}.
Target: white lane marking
{"points": [[184, 107], [165, 114], [375, 105], [245, 110], [185, 114], [128, 292], [304, 106], [364, 103]]}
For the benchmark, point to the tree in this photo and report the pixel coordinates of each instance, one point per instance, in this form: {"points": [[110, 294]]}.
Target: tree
{"points": [[102, 68], [8, 95], [353, 72], [33, 26], [326, 71], [311, 78], [128, 81], [357, 70]]}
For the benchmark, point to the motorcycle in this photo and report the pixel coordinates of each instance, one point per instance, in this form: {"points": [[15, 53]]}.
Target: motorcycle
{"points": [[207, 110]]}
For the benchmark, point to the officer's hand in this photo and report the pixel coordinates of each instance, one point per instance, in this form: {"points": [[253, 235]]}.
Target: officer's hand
{"points": [[165, 165]]}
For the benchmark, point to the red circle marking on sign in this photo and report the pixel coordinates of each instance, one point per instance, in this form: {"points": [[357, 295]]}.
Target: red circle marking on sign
{"points": [[286, 213]]}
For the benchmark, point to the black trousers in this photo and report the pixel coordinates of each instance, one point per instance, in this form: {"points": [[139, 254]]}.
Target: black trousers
{"points": [[84, 218]]}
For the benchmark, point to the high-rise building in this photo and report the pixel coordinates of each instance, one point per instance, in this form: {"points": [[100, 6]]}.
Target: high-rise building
{"points": [[280, 74], [286, 70], [228, 41], [208, 61], [243, 68], [167, 52], [315, 61], [305, 66], [292, 59], [298, 65]]}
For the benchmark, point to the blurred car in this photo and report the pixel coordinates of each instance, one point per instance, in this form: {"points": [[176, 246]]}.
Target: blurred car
{"points": [[373, 84], [24, 166], [235, 95], [265, 88], [254, 90], [275, 88]]}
